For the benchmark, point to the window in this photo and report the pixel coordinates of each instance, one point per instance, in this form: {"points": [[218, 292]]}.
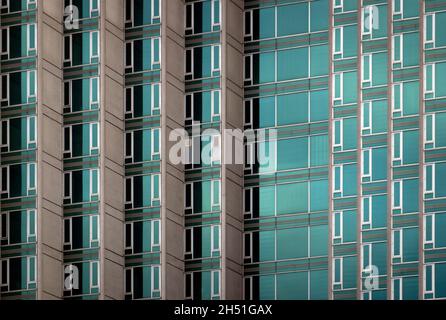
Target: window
{"points": [[202, 62], [143, 191], [31, 88], [405, 49], [345, 49], [81, 48], [142, 55], [344, 134], [374, 69], [81, 186], [142, 236], [81, 232], [435, 130], [143, 101], [202, 242], [434, 187], [135, 16], [433, 36], [208, 14], [433, 81], [143, 145]]}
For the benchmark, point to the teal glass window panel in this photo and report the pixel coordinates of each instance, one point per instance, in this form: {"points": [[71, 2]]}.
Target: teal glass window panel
{"points": [[319, 285], [440, 226], [267, 251], [287, 240], [292, 286], [410, 288], [379, 69], [292, 108], [267, 287], [440, 35], [319, 150], [410, 195], [264, 23], [350, 5], [292, 64], [381, 31], [264, 67], [411, 43], [411, 96], [319, 60], [350, 41], [292, 198], [350, 174], [319, 15], [411, 146], [32, 38], [411, 8], [267, 112], [267, 200], [205, 242], [410, 244], [379, 256], [350, 133], [440, 81], [440, 180], [292, 19], [350, 87], [440, 284], [379, 211], [319, 105], [292, 153], [429, 25], [349, 272], [440, 130], [379, 116], [379, 164], [318, 241], [318, 195], [349, 226]]}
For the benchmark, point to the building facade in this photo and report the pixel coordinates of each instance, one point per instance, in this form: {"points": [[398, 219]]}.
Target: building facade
{"points": [[336, 108]]}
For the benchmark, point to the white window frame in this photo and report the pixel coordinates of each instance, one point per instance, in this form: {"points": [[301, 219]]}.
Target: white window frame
{"points": [[432, 241], [68, 130], [368, 104], [92, 129], [400, 287], [68, 174], [152, 189], [339, 6], [28, 37], [131, 225], [191, 186], [400, 183], [399, 87], [248, 59], [215, 148], [28, 130], [433, 79], [401, 136], [129, 179], [213, 203], [29, 234], [250, 235], [4, 77], [5, 33], [30, 281], [250, 14], [132, 58], [341, 133], [4, 237], [433, 168], [341, 89], [341, 268], [153, 41], [92, 81], [154, 152], [28, 84], [370, 256], [157, 269], [132, 100], [94, 194], [363, 205], [401, 7], [156, 105], [191, 54], [213, 15], [397, 233], [341, 35], [432, 266], [433, 16], [91, 274], [213, 294], [5, 170], [92, 218], [192, 20], [94, 56], [215, 231], [363, 154], [4, 126], [153, 10], [213, 94], [399, 38], [341, 179], [28, 176], [155, 224], [341, 225], [214, 67], [370, 78], [70, 58], [92, 9], [191, 232]]}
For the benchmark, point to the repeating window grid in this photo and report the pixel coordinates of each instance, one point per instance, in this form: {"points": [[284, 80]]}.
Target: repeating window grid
{"points": [[215, 99], [338, 4], [155, 137], [129, 51], [155, 229], [155, 48], [397, 90], [366, 255], [215, 58], [189, 65], [216, 17], [248, 63], [189, 13], [94, 136], [215, 188], [129, 102], [367, 18], [188, 238]]}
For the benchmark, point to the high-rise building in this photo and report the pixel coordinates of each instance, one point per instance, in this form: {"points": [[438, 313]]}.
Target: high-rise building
{"points": [[313, 164]]}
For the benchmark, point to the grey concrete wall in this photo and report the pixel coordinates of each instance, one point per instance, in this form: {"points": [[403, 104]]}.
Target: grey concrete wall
{"points": [[112, 149], [172, 197], [49, 154], [232, 175]]}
